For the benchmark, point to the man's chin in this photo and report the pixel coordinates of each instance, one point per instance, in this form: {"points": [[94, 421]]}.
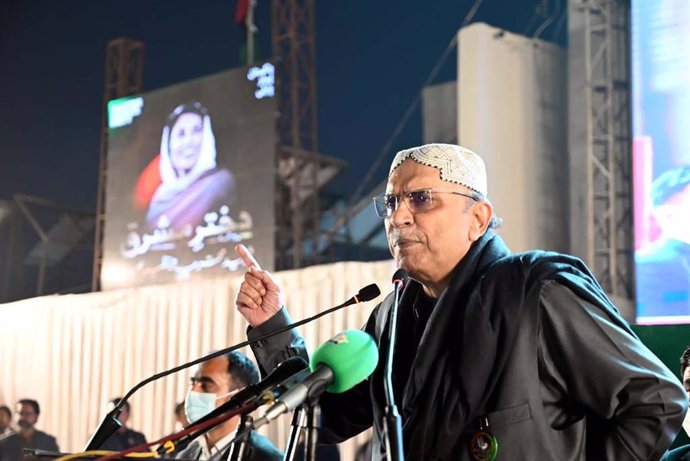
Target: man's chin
{"points": [[409, 264]]}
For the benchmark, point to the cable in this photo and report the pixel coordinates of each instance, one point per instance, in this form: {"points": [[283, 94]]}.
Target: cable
{"points": [[411, 108], [102, 453], [547, 22], [196, 430], [560, 23]]}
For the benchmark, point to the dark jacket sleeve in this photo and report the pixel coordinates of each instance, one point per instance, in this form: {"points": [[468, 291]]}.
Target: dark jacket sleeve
{"points": [[271, 352], [343, 415], [633, 404]]}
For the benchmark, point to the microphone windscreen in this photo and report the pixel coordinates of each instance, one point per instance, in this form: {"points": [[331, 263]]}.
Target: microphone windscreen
{"points": [[368, 293], [351, 355], [401, 275]]}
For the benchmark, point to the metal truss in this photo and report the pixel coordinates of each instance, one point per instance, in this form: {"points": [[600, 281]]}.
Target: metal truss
{"points": [[124, 64], [609, 215], [297, 201]]}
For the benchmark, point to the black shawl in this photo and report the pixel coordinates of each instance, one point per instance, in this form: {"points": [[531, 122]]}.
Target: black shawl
{"points": [[446, 382]]}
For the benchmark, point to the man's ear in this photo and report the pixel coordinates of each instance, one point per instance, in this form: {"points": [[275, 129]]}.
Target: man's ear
{"points": [[481, 217]]}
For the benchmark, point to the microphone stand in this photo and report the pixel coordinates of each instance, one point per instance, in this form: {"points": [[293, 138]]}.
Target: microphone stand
{"points": [[306, 420], [110, 423], [238, 451], [392, 422], [299, 425], [313, 426]]}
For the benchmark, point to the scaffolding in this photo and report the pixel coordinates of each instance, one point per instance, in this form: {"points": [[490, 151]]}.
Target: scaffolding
{"points": [[607, 199], [294, 45], [45, 241]]}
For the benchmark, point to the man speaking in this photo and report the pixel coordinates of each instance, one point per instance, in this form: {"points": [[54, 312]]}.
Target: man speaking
{"points": [[498, 356]]}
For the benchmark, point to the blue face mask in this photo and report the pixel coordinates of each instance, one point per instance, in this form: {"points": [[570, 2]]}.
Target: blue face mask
{"points": [[199, 404]]}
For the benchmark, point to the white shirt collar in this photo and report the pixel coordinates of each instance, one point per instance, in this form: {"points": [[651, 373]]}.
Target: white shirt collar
{"points": [[6, 433], [207, 452]]}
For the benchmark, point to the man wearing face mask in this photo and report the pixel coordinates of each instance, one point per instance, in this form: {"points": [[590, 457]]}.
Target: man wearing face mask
{"points": [[213, 384], [27, 412]]}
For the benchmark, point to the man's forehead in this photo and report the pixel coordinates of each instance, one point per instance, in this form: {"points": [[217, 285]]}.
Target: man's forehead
{"points": [[214, 369]]}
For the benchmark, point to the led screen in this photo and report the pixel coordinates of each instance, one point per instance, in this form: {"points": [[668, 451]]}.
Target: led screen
{"points": [[191, 173], [661, 159]]}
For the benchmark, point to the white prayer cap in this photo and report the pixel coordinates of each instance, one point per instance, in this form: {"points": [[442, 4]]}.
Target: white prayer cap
{"points": [[457, 164]]}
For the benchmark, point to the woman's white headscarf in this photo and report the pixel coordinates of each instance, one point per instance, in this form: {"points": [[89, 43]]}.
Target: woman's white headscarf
{"points": [[171, 184]]}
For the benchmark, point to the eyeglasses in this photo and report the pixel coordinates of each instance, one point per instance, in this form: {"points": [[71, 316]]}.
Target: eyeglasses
{"points": [[417, 201]]}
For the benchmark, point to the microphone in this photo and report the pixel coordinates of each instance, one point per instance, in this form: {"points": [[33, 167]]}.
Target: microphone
{"points": [[392, 422], [111, 423], [400, 279], [337, 366], [367, 293]]}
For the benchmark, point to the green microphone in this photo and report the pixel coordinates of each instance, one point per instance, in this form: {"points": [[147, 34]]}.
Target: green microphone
{"points": [[351, 356], [337, 366]]}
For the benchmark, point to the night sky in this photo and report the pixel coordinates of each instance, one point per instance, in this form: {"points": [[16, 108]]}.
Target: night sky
{"points": [[372, 60]]}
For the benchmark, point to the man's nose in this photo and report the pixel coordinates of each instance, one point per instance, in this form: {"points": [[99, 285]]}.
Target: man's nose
{"points": [[401, 216]]}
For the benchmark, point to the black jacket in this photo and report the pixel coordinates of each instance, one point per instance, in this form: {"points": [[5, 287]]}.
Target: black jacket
{"points": [[528, 343], [121, 441], [12, 446]]}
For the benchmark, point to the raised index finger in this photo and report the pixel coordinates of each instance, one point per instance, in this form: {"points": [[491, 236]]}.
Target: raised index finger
{"points": [[246, 256]]}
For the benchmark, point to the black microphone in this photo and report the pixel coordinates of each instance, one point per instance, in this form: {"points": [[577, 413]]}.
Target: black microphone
{"points": [[400, 278], [392, 422], [367, 293], [110, 422]]}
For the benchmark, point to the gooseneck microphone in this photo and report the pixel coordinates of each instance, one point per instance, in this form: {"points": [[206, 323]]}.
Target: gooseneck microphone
{"points": [[337, 366], [111, 423], [392, 422]]}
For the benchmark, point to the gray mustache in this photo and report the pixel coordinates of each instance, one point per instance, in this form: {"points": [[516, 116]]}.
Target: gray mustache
{"points": [[408, 236]]}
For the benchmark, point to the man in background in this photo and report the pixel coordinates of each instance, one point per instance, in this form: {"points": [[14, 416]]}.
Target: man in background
{"points": [[5, 420], [214, 383], [28, 437], [682, 453], [124, 437], [180, 417]]}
